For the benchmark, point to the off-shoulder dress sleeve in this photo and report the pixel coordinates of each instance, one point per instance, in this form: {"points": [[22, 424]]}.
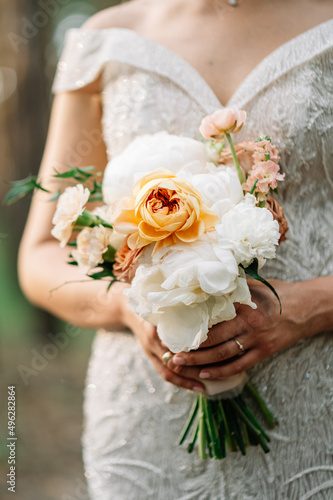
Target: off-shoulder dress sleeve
{"points": [[88, 53], [82, 60]]}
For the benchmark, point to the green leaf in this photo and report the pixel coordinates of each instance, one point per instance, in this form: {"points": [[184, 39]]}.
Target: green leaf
{"points": [[56, 195], [254, 186], [95, 197], [97, 186], [266, 138], [189, 421], [109, 255], [80, 174], [252, 270], [72, 263], [22, 188], [106, 272]]}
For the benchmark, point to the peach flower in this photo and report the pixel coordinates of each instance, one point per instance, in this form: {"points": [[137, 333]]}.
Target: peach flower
{"points": [[127, 261], [276, 210], [244, 151], [164, 210], [224, 121], [267, 173], [264, 150]]}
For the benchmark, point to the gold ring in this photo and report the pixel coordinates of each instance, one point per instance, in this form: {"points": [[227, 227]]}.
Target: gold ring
{"points": [[241, 347], [165, 358]]}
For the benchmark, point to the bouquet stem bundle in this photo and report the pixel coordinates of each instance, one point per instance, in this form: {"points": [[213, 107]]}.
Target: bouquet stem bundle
{"points": [[221, 424]]}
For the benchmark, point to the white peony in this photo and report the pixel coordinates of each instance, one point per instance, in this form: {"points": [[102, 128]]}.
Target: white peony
{"points": [[146, 154], [220, 187], [92, 243], [186, 290], [198, 264], [69, 208], [249, 232]]}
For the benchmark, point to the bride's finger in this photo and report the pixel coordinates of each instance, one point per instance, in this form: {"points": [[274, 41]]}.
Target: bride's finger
{"points": [[234, 347], [239, 365], [176, 379], [225, 331]]}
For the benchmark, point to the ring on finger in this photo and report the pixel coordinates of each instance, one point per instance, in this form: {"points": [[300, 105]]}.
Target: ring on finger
{"points": [[165, 358], [240, 346]]}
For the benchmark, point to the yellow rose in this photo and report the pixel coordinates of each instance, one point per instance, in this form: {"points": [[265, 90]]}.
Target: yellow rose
{"points": [[164, 209]]}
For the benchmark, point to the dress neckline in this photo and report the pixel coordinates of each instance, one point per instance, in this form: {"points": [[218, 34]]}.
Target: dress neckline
{"points": [[128, 46], [296, 40]]}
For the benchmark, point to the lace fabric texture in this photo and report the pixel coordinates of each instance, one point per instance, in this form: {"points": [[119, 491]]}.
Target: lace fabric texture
{"points": [[133, 418]]}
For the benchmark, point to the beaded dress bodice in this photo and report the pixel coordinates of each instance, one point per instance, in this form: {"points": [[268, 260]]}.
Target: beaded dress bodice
{"points": [[132, 416]]}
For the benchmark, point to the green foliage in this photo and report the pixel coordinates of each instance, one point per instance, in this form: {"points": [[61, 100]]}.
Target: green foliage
{"points": [[252, 270], [81, 174], [254, 186], [266, 138], [22, 188]]}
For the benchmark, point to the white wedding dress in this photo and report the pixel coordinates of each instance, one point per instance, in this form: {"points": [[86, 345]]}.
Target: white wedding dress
{"points": [[132, 417]]}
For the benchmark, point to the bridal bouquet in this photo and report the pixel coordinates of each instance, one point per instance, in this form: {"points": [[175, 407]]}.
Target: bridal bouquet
{"points": [[183, 221]]}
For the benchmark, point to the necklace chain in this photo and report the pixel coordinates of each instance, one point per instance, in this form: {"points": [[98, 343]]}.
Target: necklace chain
{"points": [[233, 3]]}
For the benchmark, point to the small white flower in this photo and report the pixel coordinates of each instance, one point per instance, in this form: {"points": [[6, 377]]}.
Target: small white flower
{"points": [[92, 243], [249, 232], [105, 212], [69, 208]]}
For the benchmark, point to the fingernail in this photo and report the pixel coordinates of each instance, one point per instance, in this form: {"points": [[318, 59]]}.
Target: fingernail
{"points": [[204, 375], [196, 388], [178, 360]]}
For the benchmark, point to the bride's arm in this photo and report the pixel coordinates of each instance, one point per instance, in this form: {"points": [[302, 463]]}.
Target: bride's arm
{"points": [[74, 137]]}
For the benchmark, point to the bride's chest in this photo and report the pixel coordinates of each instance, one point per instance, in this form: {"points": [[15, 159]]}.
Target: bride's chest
{"points": [[138, 102]]}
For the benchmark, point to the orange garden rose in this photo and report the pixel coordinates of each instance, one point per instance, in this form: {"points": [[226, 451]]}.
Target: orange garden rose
{"points": [[164, 209]]}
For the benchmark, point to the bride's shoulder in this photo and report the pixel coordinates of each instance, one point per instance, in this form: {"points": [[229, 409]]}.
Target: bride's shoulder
{"points": [[127, 15], [89, 60]]}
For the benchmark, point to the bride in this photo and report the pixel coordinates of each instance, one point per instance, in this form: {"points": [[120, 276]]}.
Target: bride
{"points": [[151, 65]]}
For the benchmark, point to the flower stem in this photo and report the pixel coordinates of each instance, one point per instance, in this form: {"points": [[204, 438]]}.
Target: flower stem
{"points": [[270, 418], [252, 418], [234, 156], [202, 430], [226, 426], [88, 219], [257, 433], [189, 421], [191, 444], [254, 186], [212, 428]]}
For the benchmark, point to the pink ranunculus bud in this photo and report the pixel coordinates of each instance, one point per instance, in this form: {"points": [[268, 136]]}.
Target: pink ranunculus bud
{"points": [[240, 120], [221, 122]]}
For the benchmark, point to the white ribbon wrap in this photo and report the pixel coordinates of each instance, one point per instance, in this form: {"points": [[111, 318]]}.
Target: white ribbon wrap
{"points": [[227, 388]]}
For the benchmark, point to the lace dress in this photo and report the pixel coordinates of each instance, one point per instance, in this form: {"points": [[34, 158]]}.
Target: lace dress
{"points": [[132, 417]]}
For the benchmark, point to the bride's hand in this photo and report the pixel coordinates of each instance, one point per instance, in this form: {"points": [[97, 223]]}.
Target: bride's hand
{"points": [[151, 344], [254, 334]]}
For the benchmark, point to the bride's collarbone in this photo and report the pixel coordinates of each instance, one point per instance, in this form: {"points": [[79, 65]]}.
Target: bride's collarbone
{"points": [[223, 50]]}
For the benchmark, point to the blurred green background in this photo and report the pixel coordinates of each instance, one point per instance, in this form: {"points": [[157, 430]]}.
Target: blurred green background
{"points": [[49, 379]]}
